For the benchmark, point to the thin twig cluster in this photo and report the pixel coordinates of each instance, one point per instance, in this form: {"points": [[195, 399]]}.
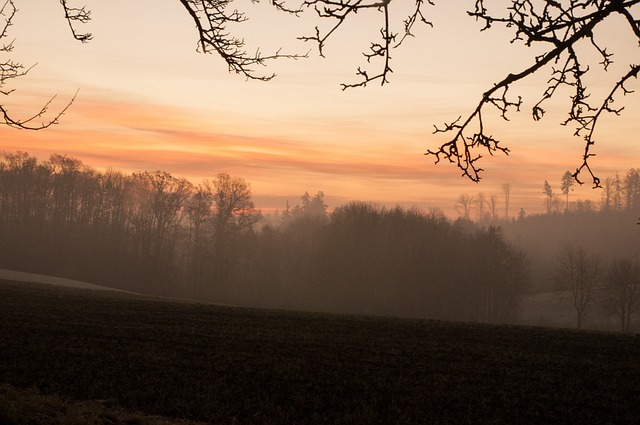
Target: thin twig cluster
{"points": [[211, 18], [341, 10], [559, 27], [77, 15], [10, 70]]}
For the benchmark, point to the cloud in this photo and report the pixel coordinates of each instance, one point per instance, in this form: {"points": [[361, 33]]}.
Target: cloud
{"points": [[354, 163]]}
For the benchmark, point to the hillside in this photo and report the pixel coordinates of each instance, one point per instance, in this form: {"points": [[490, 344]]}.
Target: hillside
{"points": [[230, 365]]}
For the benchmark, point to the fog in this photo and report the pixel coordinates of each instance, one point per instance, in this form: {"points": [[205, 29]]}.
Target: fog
{"points": [[153, 233]]}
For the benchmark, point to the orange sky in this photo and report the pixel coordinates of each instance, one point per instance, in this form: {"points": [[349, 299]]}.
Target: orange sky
{"points": [[148, 101]]}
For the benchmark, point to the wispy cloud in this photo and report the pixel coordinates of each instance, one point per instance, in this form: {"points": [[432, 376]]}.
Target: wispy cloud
{"points": [[360, 165]]}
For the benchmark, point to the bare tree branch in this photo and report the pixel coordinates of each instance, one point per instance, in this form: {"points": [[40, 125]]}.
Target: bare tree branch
{"points": [[75, 15], [37, 121], [416, 16], [211, 18], [341, 10], [10, 70], [561, 26], [587, 123]]}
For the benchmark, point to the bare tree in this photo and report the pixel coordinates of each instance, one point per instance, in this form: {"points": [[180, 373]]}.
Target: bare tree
{"points": [[617, 193], [632, 188], [499, 274], [493, 206], [199, 211], [578, 271], [25, 191], [548, 200], [565, 186], [114, 215], [463, 205], [607, 194], [622, 290], [506, 190], [66, 176], [161, 200], [234, 212], [481, 202], [232, 203]]}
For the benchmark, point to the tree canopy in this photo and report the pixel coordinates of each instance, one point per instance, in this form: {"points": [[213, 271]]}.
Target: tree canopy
{"points": [[566, 36]]}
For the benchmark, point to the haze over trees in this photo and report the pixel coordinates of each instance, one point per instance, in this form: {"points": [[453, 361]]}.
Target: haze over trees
{"points": [[605, 230], [564, 35], [622, 291], [152, 229], [156, 233], [578, 271], [159, 234]]}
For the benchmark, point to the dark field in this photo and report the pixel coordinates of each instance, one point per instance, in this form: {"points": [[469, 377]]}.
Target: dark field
{"points": [[231, 365]]}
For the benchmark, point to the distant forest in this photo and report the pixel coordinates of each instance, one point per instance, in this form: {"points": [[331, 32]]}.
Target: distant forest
{"points": [[154, 233]]}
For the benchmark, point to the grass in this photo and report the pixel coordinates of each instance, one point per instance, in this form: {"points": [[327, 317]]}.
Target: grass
{"points": [[229, 365]]}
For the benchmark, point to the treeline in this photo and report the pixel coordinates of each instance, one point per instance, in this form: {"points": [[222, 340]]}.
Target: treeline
{"points": [[368, 259], [143, 231], [159, 234], [618, 194]]}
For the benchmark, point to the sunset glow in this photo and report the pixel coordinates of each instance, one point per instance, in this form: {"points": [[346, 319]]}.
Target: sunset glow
{"points": [[163, 106]]}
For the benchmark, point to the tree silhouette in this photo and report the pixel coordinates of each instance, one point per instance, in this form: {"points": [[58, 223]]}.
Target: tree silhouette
{"points": [[622, 290], [312, 206], [506, 190], [232, 202], [199, 211], [234, 213], [548, 200], [566, 183], [617, 192], [632, 188], [463, 205], [493, 206], [162, 198], [607, 194], [156, 233], [578, 271]]}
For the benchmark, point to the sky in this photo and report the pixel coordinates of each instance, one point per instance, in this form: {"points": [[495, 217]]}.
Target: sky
{"points": [[148, 100]]}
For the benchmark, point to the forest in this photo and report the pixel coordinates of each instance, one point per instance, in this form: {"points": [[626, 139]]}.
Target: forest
{"points": [[158, 234]]}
